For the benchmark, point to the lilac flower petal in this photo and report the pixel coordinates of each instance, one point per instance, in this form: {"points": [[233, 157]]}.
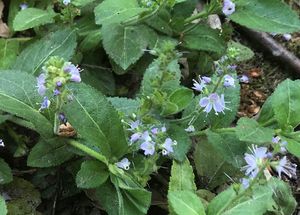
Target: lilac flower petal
{"points": [[148, 148], [135, 137], [228, 81], [45, 104], [244, 79], [23, 6], [286, 167], [168, 146], [204, 102]]}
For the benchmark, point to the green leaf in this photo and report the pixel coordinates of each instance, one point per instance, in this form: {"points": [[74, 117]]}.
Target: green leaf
{"points": [[183, 142], [3, 209], [92, 174], [5, 172], [102, 80], [124, 105], [182, 177], [32, 17], [117, 11], [24, 198], [181, 97], [18, 96], [258, 204], [293, 146], [61, 43], [213, 170], [124, 196], [9, 49], [286, 103], [283, 196], [245, 53], [249, 130], [161, 22], [125, 45], [49, 152], [268, 16], [221, 201], [203, 38], [96, 121], [155, 73], [186, 203], [91, 41], [229, 146], [81, 3]]}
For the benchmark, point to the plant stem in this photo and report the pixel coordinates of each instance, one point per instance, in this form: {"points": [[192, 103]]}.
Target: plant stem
{"points": [[224, 130], [197, 16], [89, 151]]}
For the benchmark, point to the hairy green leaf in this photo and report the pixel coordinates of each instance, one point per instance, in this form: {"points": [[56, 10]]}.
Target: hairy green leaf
{"points": [[32, 17], [18, 96], [61, 43], [124, 105], [286, 103], [182, 177], [96, 121], [268, 15], [125, 45], [9, 49], [249, 130], [92, 174], [186, 203], [245, 53], [283, 196], [49, 152], [183, 140], [204, 38], [117, 11]]}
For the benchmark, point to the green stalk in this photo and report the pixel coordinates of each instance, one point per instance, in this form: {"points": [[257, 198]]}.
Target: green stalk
{"points": [[89, 151]]}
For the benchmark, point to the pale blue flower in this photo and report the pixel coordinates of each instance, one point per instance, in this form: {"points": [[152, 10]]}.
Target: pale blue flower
{"points": [[41, 81], [287, 37], [167, 146], [134, 125], [206, 79], [23, 6], [74, 72], [146, 136], [66, 2], [213, 101], [276, 139], [1, 143], [228, 7], [56, 92], [148, 147], [163, 129], [45, 104], [245, 182], [244, 79], [198, 85], [124, 164], [286, 167], [254, 160], [58, 83], [135, 137], [154, 131], [228, 81], [62, 118], [282, 144]]}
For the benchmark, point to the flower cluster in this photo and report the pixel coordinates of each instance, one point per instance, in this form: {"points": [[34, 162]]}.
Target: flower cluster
{"points": [[56, 73], [259, 159], [150, 139]]}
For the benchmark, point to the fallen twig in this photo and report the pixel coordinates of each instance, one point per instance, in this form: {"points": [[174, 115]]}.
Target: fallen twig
{"points": [[278, 51]]}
